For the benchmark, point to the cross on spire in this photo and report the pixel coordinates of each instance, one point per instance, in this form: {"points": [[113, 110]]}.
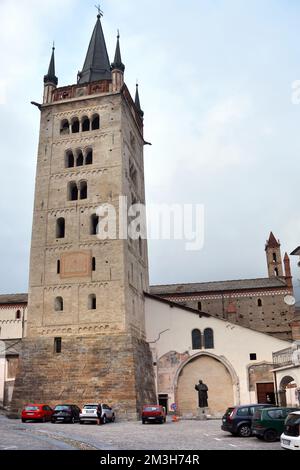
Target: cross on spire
{"points": [[100, 12]]}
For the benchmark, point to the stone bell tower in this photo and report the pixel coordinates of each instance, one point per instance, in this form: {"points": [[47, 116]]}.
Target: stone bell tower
{"points": [[86, 322]]}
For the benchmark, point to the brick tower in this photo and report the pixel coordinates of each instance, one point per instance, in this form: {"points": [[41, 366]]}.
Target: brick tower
{"points": [[86, 325], [274, 259]]}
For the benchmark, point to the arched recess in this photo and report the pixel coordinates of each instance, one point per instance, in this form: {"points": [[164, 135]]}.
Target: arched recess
{"points": [[286, 394], [217, 373]]}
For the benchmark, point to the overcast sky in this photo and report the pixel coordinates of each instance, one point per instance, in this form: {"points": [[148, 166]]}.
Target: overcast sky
{"points": [[216, 87]]}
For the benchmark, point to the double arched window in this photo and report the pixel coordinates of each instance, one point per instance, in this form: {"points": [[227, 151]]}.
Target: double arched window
{"points": [[77, 190], [78, 157], [208, 339]]}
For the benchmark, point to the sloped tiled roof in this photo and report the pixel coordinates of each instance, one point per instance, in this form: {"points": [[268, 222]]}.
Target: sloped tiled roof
{"points": [[242, 284], [13, 299]]}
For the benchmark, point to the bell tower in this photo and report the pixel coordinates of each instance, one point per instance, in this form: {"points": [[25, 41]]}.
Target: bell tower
{"points": [[86, 320], [274, 259]]}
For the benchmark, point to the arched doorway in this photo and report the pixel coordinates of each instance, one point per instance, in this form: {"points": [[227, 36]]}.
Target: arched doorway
{"points": [[218, 376], [287, 392]]}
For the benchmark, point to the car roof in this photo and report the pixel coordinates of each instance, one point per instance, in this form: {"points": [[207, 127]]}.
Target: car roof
{"points": [[254, 405], [36, 404]]}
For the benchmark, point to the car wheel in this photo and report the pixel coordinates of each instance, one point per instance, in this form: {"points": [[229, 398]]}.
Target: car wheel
{"points": [[113, 418], [24, 420], [104, 420], [73, 420], [81, 422], [244, 430], [44, 419], [270, 435], [144, 422]]}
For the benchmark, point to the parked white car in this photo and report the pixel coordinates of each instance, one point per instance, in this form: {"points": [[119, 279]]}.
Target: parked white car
{"points": [[290, 439], [91, 413]]}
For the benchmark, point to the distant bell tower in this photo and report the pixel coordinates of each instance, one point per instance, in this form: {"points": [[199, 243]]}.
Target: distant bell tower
{"points": [[274, 259], [86, 320]]}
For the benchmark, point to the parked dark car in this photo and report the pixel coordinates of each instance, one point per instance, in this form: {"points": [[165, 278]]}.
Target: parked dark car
{"points": [[238, 419], [34, 412], [268, 423], [66, 414], [153, 414]]}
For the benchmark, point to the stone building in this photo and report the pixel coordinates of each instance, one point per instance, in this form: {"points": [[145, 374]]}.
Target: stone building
{"points": [[258, 304], [86, 318], [13, 318]]}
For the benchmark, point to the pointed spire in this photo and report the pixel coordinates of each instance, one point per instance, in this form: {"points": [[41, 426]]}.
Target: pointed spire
{"points": [[96, 66], [51, 77], [137, 101], [272, 242], [117, 63]]}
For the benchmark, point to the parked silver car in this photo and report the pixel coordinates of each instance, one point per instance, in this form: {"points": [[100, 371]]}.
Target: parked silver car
{"points": [[93, 411]]}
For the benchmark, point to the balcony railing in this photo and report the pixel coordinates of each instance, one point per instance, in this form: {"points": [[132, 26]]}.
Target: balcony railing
{"points": [[285, 357]]}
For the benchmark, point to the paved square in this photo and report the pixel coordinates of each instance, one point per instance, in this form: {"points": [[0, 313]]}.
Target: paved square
{"points": [[183, 435]]}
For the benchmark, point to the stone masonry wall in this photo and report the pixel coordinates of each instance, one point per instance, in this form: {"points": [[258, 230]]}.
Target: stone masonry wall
{"points": [[112, 369]]}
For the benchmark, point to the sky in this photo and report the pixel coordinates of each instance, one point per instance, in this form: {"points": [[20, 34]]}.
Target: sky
{"points": [[216, 80]]}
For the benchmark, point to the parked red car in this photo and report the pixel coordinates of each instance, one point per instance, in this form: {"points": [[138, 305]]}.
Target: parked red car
{"points": [[153, 414], [35, 412]]}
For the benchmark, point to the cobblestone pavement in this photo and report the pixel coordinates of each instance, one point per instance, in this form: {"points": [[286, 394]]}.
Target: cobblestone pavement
{"points": [[184, 435]]}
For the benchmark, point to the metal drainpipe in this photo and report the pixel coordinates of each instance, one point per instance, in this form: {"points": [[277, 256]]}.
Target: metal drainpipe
{"points": [[276, 389]]}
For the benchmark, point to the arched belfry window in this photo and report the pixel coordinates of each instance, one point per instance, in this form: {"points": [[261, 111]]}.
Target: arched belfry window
{"points": [[75, 126], [83, 189], [60, 228], [86, 125], [259, 303], [274, 257], [196, 339], [59, 304], [89, 157], [79, 158], [209, 338], [92, 302], [94, 224], [72, 191], [65, 127], [70, 161], [276, 272], [95, 122]]}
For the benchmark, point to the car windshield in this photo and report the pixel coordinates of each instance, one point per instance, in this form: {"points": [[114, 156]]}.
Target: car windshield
{"points": [[31, 408], [151, 408], [62, 408], [292, 420], [91, 407]]}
